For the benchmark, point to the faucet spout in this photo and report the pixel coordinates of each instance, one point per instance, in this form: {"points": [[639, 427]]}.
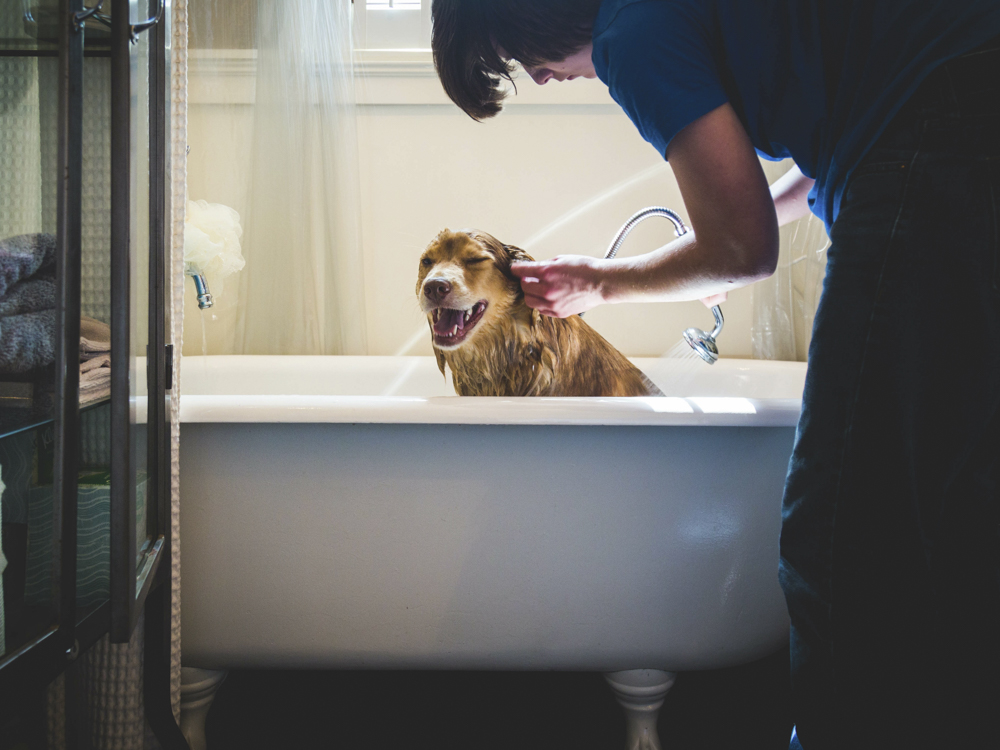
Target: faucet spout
{"points": [[205, 300]]}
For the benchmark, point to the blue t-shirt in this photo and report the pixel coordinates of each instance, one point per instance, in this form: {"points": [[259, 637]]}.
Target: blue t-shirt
{"points": [[813, 80]]}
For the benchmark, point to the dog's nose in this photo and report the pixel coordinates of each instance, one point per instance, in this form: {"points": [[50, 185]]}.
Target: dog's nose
{"points": [[436, 289]]}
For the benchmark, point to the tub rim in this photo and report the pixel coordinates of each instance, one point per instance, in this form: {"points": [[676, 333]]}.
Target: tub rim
{"points": [[708, 411]]}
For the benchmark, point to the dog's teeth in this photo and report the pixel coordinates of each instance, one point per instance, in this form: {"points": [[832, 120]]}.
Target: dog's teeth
{"points": [[468, 314]]}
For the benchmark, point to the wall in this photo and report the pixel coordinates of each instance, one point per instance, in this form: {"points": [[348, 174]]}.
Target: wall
{"points": [[558, 172]]}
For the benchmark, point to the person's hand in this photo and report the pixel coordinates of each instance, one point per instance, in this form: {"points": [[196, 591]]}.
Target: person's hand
{"points": [[561, 287]]}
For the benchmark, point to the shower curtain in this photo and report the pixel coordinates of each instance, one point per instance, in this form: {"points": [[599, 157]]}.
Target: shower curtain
{"points": [[784, 305], [301, 291]]}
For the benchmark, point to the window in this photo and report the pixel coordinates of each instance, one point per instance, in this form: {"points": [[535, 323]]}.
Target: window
{"points": [[392, 24]]}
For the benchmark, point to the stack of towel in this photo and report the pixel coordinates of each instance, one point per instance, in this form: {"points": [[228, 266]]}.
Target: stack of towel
{"points": [[28, 318], [27, 303], [95, 360]]}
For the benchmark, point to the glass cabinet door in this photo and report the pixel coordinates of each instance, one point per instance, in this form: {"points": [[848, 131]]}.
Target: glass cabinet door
{"points": [[28, 218], [94, 463], [83, 376], [54, 436], [82, 99], [83, 96], [139, 235], [138, 61]]}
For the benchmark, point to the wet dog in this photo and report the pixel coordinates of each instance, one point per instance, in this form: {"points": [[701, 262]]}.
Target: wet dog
{"points": [[494, 344]]}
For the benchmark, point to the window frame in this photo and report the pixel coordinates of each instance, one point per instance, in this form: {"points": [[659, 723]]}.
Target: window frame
{"points": [[420, 21]]}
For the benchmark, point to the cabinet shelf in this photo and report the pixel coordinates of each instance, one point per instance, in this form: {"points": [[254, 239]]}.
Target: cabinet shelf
{"points": [[30, 526], [34, 31], [29, 414]]}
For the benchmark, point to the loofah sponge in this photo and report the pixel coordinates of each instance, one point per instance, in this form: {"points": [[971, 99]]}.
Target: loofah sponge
{"points": [[212, 235]]}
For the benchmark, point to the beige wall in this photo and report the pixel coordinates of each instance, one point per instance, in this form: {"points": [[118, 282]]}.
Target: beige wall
{"points": [[558, 172]]}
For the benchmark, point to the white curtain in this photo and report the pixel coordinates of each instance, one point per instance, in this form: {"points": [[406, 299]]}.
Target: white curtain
{"points": [[302, 289], [784, 305]]}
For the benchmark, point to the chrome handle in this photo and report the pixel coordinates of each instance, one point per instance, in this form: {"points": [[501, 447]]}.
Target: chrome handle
{"points": [[138, 28], [81, 17]]}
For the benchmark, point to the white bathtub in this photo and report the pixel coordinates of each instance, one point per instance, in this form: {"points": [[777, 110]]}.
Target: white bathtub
{"points": [[346, 512]]}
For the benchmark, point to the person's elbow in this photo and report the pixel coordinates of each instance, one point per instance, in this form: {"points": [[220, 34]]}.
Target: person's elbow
{"points": [[752, 255], [761, 258]]}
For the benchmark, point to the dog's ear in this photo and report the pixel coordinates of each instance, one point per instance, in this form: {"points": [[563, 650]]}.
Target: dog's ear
{"points": [[504, 256], [507, 255], [512, 254], [516, 255]]}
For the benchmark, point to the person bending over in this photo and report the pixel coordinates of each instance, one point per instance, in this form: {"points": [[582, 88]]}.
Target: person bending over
{"points": [[890, 109]]}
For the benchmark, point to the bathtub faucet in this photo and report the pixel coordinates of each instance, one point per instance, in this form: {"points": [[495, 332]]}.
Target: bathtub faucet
{"points": [[205, 300]]}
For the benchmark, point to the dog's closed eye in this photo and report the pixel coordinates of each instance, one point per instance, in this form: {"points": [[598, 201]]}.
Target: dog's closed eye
{"points": [[473, 261], [427, 261]]}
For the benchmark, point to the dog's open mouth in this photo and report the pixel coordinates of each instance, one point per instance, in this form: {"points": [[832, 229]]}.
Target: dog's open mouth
{"points": [[452, 326]]}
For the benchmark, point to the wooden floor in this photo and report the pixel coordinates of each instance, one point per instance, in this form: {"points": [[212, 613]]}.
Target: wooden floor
{"points": [[745, 708]]}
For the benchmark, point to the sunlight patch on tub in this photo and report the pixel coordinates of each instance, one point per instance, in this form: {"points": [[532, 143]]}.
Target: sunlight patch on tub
{"points": [[668, 404], [723, 405]]}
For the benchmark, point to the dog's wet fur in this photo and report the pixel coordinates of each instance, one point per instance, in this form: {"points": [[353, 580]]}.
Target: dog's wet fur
{"points": [[494, 344]]}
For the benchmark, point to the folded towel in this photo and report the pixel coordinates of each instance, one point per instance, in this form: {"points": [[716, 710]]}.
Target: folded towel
{"points": [[27, 342], [27, 302], [95, 379], [95, 338], [27, 314], [32, 295], [25, 256], [95, 360], [100, 360]]}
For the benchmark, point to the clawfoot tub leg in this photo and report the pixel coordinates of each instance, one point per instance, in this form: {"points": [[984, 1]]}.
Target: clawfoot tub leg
{"points": [[641, 692], [198, 689]]}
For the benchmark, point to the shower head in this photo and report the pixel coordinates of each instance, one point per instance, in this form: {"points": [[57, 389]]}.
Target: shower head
{"points": [[704, 343]]}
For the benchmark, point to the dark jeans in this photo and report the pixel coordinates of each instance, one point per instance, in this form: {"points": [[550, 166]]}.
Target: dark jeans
{"points": [[890, 544]]}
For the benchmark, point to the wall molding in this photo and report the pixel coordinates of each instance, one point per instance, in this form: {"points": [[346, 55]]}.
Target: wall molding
{"points": [[382, 78], [394, 63]]}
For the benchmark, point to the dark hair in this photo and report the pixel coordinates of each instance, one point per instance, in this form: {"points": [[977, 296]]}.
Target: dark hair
{"points": [[466, 34]]}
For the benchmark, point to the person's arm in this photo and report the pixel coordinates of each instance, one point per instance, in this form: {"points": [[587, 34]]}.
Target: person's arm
{"points": [[790, 193], [734, 242]]}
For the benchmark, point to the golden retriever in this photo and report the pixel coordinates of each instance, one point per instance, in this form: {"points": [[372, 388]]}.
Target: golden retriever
{"points": [[495, 344]]}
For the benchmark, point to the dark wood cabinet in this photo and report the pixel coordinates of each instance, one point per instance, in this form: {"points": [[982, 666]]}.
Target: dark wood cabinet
{"points": [[84, 433]]}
